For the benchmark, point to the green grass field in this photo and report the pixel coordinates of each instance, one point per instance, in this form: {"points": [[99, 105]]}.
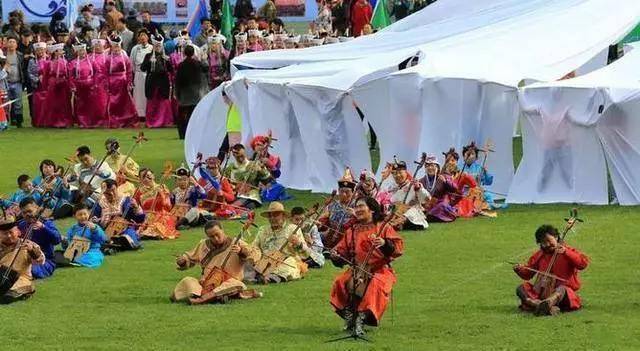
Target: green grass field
{"points": [[455, 291]]}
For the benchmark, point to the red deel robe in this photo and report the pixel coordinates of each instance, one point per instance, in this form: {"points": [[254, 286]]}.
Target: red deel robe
{"points": [[566, 267], [224, 195], [377, 294], [360, 15]]}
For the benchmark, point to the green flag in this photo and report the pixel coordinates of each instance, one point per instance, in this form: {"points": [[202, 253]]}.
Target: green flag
{"points": [[226, 25], [380, 17]]}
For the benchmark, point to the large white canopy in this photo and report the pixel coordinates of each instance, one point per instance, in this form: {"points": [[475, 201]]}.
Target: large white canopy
{"points": [[472, 55], [577, 129]]}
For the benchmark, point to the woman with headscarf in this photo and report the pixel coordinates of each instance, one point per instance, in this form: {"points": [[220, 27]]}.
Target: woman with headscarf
{"points": [[121, 109], [82, 74], [138, 53], [218, 61], [157, 68], [58, 104]]}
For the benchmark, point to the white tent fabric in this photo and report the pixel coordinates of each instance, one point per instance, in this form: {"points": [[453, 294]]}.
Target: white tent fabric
{"points": [[577, 129], [472, 56], [207, 127]]}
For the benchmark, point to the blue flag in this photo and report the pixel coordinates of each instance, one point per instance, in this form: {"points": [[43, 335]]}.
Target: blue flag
{"points": [[204, 174], [199, 13]]}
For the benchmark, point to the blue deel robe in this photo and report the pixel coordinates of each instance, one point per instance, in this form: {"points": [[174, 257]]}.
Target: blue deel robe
{"points": [[47, 238], [94, 257]]}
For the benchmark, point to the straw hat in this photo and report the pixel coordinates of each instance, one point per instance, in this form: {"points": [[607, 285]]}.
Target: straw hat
{"points": [[274, 207]]}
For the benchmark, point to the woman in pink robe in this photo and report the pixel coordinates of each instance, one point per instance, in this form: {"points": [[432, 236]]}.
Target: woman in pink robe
{"points": [[58, 112], [83, 79], [121, 109], [40, 93], [99, 94], [156, 65], [218, 61]]}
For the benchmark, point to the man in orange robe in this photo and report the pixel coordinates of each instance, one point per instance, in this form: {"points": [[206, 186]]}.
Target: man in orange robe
{"points": [[387, 245], [568, 262]]}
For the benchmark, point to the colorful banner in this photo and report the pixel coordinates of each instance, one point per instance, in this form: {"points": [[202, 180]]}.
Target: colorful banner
{"points": [[163, 11]]}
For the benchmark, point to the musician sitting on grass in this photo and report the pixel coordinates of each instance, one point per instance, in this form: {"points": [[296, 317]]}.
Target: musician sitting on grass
{"points": [[85, 229], [222, 260], [283, 248], [246, 175], [43, 232], [562, 294], [29, 253], [114, 206], [271, 190], [25, 189]]}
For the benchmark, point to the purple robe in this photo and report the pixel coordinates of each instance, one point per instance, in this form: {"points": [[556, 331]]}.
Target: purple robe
{"points": [[40, 94], [100, 96], [58, 103], [121, 109], [443, 198], [218, 68], [83, 81]]}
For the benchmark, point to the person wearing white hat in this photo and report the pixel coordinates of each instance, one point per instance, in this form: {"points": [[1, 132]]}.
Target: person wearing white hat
{"points": [[253, 36], [271, 239], [444, 193], [267, 42], [58, 104], [217, 61], [82, 79], [121, 109], [138, 53], [408, 195], [158, 85], [36, 69], [241, 45], [98, 58]]}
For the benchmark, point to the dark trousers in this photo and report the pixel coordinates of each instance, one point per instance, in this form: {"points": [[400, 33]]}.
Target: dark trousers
{"points": [[224, 148], [184, 114]]}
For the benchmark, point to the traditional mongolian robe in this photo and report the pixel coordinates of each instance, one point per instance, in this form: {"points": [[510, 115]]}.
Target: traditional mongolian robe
{"points": [[14, 200], [248, 175], [130, 169], [138, 54], [274, 191], [58, 112], [23, 287], [414, 200], [357, 243], [216, 189], [82, 81], [101, 87], [484, 179], [94, 257], [121, 208], [218, 68], [314, 243], [121, 110], [209, 256], [47, 238], [155, 200], [444, 197], [566, 267], [38, 70], [465, 207], [159, 110], [268, 241]]}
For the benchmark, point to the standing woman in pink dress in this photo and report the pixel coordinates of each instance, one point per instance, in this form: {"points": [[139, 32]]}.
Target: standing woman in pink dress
{"points": [[99, 94], [38, 75], [158, 85], [121, 109], [58, 112], [83, 80]]}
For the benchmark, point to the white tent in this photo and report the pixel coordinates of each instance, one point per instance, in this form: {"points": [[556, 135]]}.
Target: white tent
{"points": [[471, 57], [577, 129]]}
